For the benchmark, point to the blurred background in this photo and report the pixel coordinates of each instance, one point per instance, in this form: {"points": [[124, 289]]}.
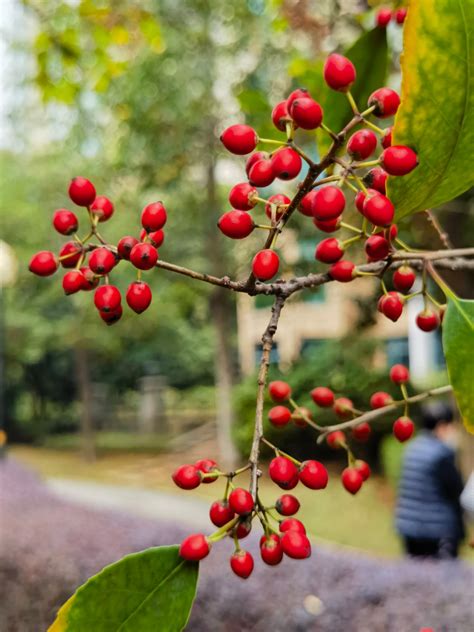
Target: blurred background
{"points": [[134, 95]]}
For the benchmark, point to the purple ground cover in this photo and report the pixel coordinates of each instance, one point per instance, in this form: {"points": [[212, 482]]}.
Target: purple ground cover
{"points": [[49, 546]]}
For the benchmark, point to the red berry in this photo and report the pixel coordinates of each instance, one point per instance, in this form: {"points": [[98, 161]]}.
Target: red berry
{"points": [[383, 17], [241, 563], [271, 536], [306, 205], [342, 271], [339, 72], [261, 174], [194, 548], [306, 113], [328, 203], [287, 505], [281, 116], [380, 399], [107, 298], [144, 256], [329, 250], [91, 281], [279, 415], [400, 15], [279, 391], [220, 513], [336, 439], [271, 551], [156, 237], [72, 252], [391, 305], [242, 529], [153, 217], [359, 201], [207, 466], [265, 264], [362, 144], [82, 191], [102, 260], [296, 545], [239, 139], [236, 224], [427, 320], [361, 432], [65, 222], [73, 282], [403, 428], [403, 278], [386, 140], [386, 102], [363, 468], [377, 247], [187, 477], [125, 245], [110, 318], [255, 157], [352, 479], [329, 225], [292, 524], [286, 164], [398, 160], [43, 263], [313, 474], [277, 201], [241, 196], [241, 501], [300, 415], [343, 407], [376, 179], [378, 209], [322, 396], [103, 208], [138, 296], [299, 93], [283, 472], [399, 374]]}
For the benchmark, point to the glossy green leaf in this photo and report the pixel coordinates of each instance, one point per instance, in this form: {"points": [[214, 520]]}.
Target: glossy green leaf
{"points": [[436, 115], [370, 57], [147, 591], [458, 344]]}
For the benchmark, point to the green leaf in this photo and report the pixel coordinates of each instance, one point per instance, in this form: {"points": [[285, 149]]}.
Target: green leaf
{"points": [[369, 54], [436, 115], [458, 344], [147, 591]]}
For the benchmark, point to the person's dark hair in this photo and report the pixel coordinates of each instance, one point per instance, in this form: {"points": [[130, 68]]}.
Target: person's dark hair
{"points": [[434, 412]]}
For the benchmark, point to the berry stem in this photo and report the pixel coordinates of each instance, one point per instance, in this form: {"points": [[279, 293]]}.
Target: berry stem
{"points": [[271, 141], [279, 452], [352, 102], [374, 127]]}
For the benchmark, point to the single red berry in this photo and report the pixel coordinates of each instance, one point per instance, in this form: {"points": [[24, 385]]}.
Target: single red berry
{"points": [[236, 224], [376, 179], [363, 468], [43, 263], [91, 280], [107, 298], [398, 160], [352, 479], [144, 256], [391, 232], [156, 237], [102, 208], [386, 140], [287, 505], [242, 196], [241, 501], [296, 545], [239, 139], [322, 396], [187, 477], [336, 439], [65, 222], [361, 432], [343, 407], [362, 144], [102, 260], [153, 216], [386, 102], [383, 17], [271, 551], [377, 247], [427, 320], [220, 513], [110, 318], [255, 157], [207, 466], [241, 563], [286, 164], [138, 296], [299, 93], [380, 399], [271, 536], [400, 15], [281, 116], [342, 271], [339, 72], [300, 415], [265, 264], [279, 391], [82, 191], [125, 245], [72, 252], [378, 209], [391, 305], [194, 548], [403, 428], [283, 472], [329, 250], [403, 278], [329, 225], [306, 113], [242, 529], [278, 202], [73, 282], [292, 524], [359, 201], [279, 415], [306, 205], [399, 374], [261, 174], [328, 203], [313, 474]]}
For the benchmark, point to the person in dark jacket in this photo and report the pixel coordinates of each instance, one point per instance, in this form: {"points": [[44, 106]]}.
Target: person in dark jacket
{"points": [[429, 514]]}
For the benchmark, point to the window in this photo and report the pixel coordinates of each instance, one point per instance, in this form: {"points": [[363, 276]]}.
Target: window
{"points": [[397, 351]]}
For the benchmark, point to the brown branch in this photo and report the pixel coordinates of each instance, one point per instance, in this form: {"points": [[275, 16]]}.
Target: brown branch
{"points": [[442, 234]]}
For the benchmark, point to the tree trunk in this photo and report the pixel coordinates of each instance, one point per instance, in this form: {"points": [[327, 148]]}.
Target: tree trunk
{"points": [[84, 391]]}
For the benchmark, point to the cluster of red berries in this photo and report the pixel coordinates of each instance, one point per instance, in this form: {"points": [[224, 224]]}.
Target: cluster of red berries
{"points": [[385, 15], [90, 264]]}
